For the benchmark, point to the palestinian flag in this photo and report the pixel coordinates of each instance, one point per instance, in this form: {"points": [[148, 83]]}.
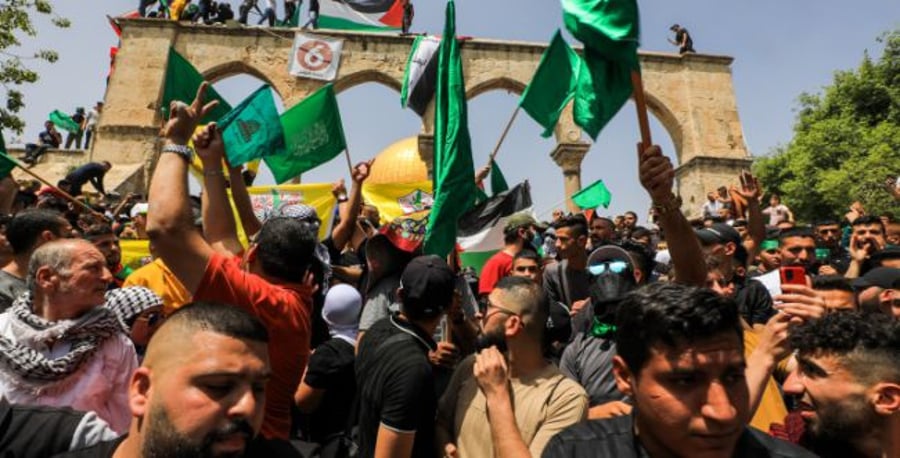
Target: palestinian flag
{"points": [[374, 15], [421, 73], [480, 231]]}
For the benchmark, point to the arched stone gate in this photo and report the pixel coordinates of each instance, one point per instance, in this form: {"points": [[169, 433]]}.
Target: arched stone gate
{"points": [[692, 95]]}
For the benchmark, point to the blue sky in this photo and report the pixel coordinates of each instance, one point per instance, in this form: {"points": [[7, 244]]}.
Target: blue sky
{"points": [[781, 49]]}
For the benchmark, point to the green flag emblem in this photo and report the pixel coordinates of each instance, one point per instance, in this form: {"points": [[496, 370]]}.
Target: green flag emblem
{"points": [[252, 129]]}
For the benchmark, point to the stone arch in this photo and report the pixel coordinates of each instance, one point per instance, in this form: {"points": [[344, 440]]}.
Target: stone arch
{"points": [[366, 76], [668, 120], [500, 83], [236, 68]]}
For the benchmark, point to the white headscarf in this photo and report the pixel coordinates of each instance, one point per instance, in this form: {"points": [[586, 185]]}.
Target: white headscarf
{"points": [[341, 312]]}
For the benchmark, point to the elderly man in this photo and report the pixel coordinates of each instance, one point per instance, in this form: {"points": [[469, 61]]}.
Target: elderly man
{"points": [[58, 347], [200, 391], [272, 279], [26, 232]]}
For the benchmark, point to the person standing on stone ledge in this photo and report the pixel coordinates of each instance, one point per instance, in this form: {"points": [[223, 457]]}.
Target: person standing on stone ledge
{"points": [[682, 39]]}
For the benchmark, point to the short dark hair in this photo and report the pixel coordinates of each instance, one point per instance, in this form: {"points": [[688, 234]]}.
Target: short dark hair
{"points": [[866, 220], [24, 230], [596, 217], [799, 231], [867, 343], [641, 231], [97, 229], [643, 257], [831, 283], [827, 222], [527, 254], [629, 212], [224, 319], [670, 314], [576, 223], [286, 248]]}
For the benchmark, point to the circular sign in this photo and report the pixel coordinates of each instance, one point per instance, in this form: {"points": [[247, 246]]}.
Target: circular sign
{"points": [[314, 55]]}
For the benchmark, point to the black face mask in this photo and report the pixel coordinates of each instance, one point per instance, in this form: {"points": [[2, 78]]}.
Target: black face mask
{"points": [[607, 290]]}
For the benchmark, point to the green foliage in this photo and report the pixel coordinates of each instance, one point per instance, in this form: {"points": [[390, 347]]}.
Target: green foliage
{"points": [[16, 22], [846, 142]]}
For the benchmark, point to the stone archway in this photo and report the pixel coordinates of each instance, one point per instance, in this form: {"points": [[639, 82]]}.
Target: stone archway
{"points": [[691, 95]]}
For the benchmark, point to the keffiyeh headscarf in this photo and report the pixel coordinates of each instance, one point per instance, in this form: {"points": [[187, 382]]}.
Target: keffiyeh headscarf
{"points": [[307, 214], [127, 303], [22, 364], [341, 312]]}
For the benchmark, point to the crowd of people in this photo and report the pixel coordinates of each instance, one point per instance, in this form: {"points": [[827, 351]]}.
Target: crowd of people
{"points": [[741, 333]]}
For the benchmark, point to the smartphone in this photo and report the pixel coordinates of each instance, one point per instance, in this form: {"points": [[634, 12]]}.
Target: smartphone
{"points": [[823, 254], [793, 275]]}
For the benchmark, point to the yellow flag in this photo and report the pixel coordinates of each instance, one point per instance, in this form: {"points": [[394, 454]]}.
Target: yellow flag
{"points": [[266, 198], [394, 200]]}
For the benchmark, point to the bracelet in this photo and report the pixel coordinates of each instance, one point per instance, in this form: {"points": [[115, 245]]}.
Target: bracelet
{"points": [[671, 205], [214, 173], [186, 152]]}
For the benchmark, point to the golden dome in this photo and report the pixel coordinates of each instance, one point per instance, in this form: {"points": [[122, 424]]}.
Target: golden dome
{"points": [[399, 163]]}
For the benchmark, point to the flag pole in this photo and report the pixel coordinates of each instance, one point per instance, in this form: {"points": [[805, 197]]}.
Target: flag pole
{"points": [[641, 105], [349, 162], [503, 135], [68, 196]]}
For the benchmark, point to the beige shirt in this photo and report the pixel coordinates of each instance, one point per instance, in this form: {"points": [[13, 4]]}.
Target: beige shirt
{"points": [[544, 404]]}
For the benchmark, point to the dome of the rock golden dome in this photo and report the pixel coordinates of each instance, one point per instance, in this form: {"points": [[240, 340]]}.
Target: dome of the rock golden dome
{"points": [[399, 163]]}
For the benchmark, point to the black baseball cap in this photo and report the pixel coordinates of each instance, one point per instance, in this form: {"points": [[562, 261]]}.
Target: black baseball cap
{"points": [[882, 277], [428, 284], [723, 233]]}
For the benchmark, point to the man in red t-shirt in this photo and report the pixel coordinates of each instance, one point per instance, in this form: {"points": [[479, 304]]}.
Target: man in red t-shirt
{"points": [[517, 234], [272, 279]]}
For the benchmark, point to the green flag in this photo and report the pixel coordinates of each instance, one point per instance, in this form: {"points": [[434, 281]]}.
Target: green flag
{"points": [[454, 172], [7, 164], [593, 196], [313, 135], [64, 121], [181, 83], [552, 85], [498, 181], [252, 129], [609, 30]]}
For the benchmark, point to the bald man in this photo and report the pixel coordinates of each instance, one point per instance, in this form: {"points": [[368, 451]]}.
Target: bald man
{"points": [[200, 390]]}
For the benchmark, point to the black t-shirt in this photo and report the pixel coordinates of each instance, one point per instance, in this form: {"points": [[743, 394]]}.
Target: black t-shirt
{"points": [[48, 139], [753, 300], [396, 385], [688, 44], [33, 431], [615, 438], [331, 369]]}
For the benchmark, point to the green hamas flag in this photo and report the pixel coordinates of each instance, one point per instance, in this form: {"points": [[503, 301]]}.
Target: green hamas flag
{"points": [[7, 164], [64, 121], [552, 85], [181, 83], [593, 196], [498, 181], [454, 172], [609, 30], [313, 135], [252, 129]]}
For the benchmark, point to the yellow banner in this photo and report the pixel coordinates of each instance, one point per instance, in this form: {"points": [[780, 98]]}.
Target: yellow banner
{"points": [[394, 200], [136, 253]]}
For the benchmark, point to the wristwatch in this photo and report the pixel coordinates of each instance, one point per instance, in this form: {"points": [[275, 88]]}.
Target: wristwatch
{"points": [[186, 152]]}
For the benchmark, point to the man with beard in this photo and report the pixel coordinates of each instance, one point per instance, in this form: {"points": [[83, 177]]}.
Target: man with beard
{"points": [[828, 236], [517, 235], [200, 391], [848, 383], [679, 357], [507, 400], [603, 230], [103, 237]]}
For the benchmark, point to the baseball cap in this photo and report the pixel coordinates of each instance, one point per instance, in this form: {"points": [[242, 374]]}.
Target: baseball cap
{"points": [[428, 284], [723, 233], [139, 209], [518, 220], [882, 277]]}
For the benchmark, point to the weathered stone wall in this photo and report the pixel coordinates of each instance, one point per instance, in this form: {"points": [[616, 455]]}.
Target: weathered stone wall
{"points": [[691, 95]]}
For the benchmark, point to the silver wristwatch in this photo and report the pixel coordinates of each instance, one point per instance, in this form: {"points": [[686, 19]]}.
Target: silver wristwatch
{"points": [[186, 152]]}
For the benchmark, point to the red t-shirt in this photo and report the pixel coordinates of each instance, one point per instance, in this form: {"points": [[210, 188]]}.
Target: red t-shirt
{"points": [[497, 267], [286, 313]]}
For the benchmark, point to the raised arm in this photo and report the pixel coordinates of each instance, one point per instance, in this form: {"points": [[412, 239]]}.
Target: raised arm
{"points": [[169, 222], [241, 199], [492, 375], [218, 220], [657, 176], [756, 227], [349, 211]]}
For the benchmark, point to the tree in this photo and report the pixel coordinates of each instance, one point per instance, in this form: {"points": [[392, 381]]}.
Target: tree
{"points": [[846, 142], [16, 20]]}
